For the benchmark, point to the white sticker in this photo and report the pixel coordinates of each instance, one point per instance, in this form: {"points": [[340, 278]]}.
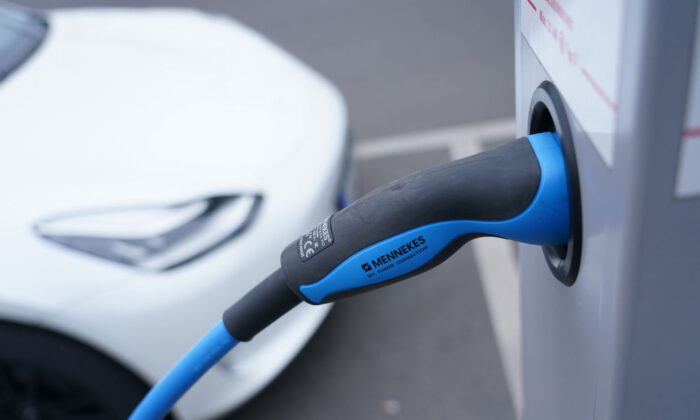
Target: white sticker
{"points": [[315, 240], [578, 42], [688, 178]]}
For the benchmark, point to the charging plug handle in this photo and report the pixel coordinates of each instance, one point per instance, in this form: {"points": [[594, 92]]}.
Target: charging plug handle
{"points": [[516, 191], [377, 238]]}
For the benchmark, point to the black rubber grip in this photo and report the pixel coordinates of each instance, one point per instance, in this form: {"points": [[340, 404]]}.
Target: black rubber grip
{"points": [[494, 185], [261, 306]]}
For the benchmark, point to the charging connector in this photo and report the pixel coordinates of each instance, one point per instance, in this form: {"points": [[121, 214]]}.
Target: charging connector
{"points": [[518, 191]]}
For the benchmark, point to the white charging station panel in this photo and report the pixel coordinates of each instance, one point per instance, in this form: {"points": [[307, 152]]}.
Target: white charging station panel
{"points": [[688, 179], [578, 42], [621, 342]]}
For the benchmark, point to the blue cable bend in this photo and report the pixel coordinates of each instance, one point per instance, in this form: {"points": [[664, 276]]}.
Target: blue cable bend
{"points": [[208, 350]]}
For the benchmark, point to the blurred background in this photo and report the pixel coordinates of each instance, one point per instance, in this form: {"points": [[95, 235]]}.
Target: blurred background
{"points": [[417, 76]]}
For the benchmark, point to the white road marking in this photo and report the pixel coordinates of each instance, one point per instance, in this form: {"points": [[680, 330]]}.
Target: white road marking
{"points": [[495, 258], [449, 137], [498, 270]]}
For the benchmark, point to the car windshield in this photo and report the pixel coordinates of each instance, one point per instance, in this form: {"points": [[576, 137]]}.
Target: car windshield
{"points": [[21, 32]]}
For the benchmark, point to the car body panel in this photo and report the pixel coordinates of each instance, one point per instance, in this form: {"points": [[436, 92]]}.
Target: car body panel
{"points": [[158, 106]]}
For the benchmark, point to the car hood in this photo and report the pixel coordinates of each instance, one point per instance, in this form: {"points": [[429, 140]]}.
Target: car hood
{"points": [[132, 106]]}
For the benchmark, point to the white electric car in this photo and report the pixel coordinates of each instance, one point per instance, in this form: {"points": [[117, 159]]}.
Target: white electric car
{"points": [[154, 163]]}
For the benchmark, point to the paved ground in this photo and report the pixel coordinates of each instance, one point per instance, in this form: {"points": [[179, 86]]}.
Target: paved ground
{"points": [[423, 348]]}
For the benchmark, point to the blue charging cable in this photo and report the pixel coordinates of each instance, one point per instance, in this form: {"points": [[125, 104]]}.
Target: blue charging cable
{"points": [[208, 350]]}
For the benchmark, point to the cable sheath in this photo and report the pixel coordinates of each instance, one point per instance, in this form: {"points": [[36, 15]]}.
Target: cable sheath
{"points": [[208, 350]]}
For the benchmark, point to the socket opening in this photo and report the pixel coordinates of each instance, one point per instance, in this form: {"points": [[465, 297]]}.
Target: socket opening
{"points": [[548, 114]]}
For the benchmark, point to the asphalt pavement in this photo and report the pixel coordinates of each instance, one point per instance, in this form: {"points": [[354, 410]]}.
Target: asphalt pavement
{"points": [[423, 348]]}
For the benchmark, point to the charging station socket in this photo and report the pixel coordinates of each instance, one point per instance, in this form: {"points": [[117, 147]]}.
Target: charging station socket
{"points": [[548, 114]]}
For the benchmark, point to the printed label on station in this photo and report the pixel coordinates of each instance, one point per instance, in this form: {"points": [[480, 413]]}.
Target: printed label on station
{"points": [[579, 44]]}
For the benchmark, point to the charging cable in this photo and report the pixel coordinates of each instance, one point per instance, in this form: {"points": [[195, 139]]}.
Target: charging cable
{"points": [[517, 191]]}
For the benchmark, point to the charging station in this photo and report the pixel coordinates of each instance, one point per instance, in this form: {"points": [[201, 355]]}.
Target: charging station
{"points": [[610, 321]]}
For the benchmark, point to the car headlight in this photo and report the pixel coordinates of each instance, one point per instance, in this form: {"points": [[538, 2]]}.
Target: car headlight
{"points": [[154, 237]]}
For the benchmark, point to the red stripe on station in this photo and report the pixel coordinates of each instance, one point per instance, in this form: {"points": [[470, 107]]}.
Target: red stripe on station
{"points": [[691, 132], [609, 102]]}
